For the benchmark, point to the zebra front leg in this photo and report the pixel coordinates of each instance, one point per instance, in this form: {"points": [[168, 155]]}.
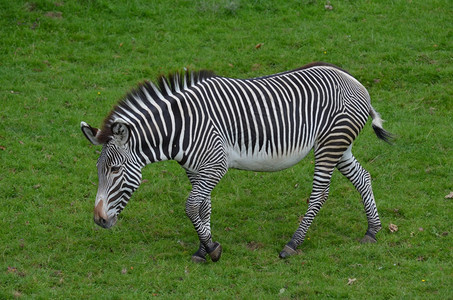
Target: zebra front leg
{"points": [[204, 212], [361, 180], [205, 215], [214, 249]]}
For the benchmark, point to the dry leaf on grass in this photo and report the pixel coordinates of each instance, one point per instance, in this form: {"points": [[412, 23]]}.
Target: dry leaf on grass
{"points": [[393, 227], [449, 196], [351, 280], [328, 6]]}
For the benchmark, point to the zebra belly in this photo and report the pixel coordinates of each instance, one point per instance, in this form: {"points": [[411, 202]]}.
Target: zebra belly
{"points": [[265, 162]]}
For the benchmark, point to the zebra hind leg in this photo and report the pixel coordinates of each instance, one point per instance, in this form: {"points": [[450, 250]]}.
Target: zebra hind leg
{"points": [[319, 194], [361, 180]]}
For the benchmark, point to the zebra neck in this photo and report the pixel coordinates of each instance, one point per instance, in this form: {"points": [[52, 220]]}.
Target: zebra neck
{"points": [[157, 131]]}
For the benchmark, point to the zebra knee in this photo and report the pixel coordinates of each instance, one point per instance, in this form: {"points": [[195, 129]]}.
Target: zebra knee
{"points": [[193, 209], [191, 212], [205, 209]]}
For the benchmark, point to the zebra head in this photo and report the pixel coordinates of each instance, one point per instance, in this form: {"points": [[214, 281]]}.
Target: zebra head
{"points": [[118, 173]]}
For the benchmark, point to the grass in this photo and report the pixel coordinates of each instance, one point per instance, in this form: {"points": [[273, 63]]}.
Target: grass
{"points": [[64, 62]]}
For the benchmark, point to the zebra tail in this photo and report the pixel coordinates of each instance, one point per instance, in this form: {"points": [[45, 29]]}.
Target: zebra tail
{"points": [[381, 133]]}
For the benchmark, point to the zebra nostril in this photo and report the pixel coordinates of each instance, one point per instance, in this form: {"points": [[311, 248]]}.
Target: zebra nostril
{"points": [[103, 221]]}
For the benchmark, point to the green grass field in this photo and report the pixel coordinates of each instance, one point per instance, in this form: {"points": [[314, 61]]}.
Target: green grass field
{"points": [[62, 62]]}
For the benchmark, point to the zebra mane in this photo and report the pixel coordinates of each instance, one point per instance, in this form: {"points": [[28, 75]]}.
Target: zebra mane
{"points": [[321, 64], [177, 81], [164, 86]]}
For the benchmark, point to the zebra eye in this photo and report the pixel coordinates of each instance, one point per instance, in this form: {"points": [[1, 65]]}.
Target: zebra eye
{"points": [[115, 169]]}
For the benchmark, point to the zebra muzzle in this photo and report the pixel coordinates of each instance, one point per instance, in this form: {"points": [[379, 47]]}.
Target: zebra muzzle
{"points": [[101, 218]]}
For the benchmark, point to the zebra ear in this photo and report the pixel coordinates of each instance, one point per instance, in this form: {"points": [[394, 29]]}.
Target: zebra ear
{"points": [[91, 133], [121, 132]]}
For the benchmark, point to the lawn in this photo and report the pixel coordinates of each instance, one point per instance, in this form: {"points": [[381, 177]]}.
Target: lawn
{"points": [[62, 62]]}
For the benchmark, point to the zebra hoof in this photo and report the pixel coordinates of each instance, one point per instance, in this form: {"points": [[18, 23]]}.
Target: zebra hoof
{"points": [[200, 255], [215, 251], [368, 238], [287, 252], [198, 259]]}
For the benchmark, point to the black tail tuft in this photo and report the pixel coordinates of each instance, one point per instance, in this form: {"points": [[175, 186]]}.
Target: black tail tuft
{"points": [[377, 127], [383, 134]]}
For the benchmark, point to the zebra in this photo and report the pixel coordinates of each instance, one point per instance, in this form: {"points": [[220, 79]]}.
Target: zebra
{"points": [[208, 124]]}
